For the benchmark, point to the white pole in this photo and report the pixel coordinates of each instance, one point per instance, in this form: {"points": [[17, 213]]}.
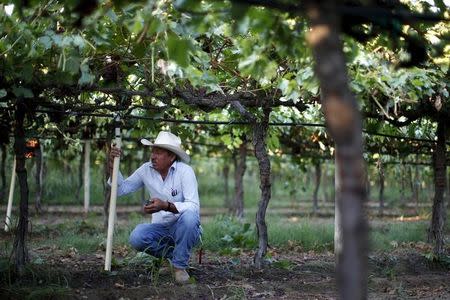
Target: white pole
{"points": [[87, 177], [11, 194], [112, 201]]}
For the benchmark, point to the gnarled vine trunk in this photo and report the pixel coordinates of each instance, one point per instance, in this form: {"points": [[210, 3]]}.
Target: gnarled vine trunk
{"points": [[239, 170], [260, 129], [415, 184], [259, 142], [20, 251], [226, 185], [436, 230], [380, 168], [344, 124]]}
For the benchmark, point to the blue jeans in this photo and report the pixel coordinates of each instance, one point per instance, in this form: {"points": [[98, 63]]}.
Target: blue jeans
{"points": [[173, 241]]}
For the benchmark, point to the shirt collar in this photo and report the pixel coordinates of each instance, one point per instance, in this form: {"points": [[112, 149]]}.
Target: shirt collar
{"points": [[172, 167]]}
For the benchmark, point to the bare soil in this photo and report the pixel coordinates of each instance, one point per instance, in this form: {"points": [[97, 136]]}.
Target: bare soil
{"points": [[405, 273]]}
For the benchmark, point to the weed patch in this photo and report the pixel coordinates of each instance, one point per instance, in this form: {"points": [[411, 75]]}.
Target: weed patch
{"points": [[228, 236], [38, 281]]}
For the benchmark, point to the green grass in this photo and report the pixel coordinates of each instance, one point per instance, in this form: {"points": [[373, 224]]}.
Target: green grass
{"points": [[226, 235], [308, 234], [388, 236], [38, 281], [73, 236]]}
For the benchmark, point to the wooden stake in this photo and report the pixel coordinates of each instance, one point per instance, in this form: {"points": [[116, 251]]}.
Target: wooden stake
{"points": [[10, 198], [87, 177], [112, 202]]}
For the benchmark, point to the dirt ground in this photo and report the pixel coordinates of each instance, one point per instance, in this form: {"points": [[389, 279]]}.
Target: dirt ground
{"points": [[405, 273]]}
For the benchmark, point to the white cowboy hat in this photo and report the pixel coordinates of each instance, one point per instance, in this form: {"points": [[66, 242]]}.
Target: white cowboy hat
{"points": [[168, 141]]}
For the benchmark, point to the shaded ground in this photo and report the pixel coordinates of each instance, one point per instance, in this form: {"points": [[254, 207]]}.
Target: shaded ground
{"points": [[405, 274]]}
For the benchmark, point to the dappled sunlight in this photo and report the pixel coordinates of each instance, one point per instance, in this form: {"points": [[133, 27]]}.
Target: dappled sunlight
{"points": [[294, 219], [412, 219]]}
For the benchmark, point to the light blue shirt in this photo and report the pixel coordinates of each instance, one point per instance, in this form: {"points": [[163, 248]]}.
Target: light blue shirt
{"points": [[180, 187]]}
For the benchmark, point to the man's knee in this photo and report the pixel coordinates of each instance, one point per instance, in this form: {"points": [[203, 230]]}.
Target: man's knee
{"points": [[190, 219], [137, 238]]}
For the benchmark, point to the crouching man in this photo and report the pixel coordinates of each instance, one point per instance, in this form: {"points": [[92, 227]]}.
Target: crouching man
{"points": [[174, 203]]}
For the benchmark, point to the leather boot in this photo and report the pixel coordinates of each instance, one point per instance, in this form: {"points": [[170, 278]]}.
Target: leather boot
{"points": [[181, 276]]}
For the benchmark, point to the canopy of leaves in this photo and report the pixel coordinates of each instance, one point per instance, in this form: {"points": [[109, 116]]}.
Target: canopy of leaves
{"points": [[163, 59]]}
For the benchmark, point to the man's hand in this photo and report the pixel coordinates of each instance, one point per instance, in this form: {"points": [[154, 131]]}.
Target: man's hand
{"points": [[114, 152], [155, 205]]}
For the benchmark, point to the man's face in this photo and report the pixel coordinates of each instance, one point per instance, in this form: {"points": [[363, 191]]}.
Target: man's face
{"points": [[162, 159]]}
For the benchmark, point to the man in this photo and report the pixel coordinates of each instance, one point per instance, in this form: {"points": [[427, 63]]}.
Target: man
{"points": [[174, 203]]}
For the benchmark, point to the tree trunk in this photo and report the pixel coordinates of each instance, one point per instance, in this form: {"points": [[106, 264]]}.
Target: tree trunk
{"points": [[3, 173], [334, 188], [293, 189], [380, 168], [259, 142], [239, 171], [344, 124], [318, 173], [338, 238], [410, 180], [67, 168], [20, 251], [226, 185], [368, 187], [260, 129], [436, 230], [402, 184], [38, 177], [327, 184], [416, 186]]}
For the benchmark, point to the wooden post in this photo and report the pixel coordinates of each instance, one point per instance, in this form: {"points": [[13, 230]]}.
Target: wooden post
{"points": [[112, 202], [10, 198], [87, 177]]}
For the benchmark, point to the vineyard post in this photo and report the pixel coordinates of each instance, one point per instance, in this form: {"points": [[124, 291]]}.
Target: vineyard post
{"points": [[87, 178], [112, 202], [10, 198]]}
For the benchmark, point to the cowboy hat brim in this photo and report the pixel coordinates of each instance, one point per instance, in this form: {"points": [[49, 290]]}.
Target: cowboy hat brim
{"points": [[176, 150]]}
